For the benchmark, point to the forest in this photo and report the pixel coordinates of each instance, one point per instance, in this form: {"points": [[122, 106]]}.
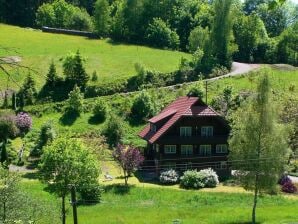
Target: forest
{"points": [[260, 31]]}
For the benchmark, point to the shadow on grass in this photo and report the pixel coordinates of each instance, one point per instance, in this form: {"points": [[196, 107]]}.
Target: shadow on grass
{"points": [[96, 120], [119, 189], [31, 176], [69, 117], [147, 177], [241, 222], [135, 121]]}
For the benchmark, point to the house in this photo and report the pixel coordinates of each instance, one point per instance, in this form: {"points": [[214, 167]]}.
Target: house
{"points": [[187, 134]]}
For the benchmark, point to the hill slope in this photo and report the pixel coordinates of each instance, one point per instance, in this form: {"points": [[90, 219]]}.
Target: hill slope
{"points": [[110, 60]]}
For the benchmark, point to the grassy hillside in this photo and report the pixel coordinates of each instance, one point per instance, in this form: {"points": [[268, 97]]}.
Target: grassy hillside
{"points": [[110, 60], [282, 82], [164, 205]]}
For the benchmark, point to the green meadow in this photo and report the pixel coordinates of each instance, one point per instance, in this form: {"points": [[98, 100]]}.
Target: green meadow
{"points": [[111, 61], [146, 205]]}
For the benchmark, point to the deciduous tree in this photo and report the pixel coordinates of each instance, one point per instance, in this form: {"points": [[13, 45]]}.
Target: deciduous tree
{"points": [[259, 144], [129, 159]]}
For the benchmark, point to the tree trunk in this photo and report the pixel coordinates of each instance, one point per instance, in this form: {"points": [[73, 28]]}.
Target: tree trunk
{"points": [[4, 212], [63, 211], [255, 200]]}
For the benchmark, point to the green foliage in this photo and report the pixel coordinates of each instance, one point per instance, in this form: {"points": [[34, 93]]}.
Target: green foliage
{"points": [[198, 38], [219, 50], [46, 136], [259, 142], [75, 101], [52, 76], [94, 77], [160, 35], [143, 106], [8, 128], [68, 162], [60, 14], [102, 19], [249, 32], [80, 20], [100, 110], [196, 90], [27, 93], [287, 47], [114, 130], [74, 71]]}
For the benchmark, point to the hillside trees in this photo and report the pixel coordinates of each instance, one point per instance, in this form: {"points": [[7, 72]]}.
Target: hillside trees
{"points": [[67, 162], [143, 106], [259, 143], [102, 19], [27, 93]]}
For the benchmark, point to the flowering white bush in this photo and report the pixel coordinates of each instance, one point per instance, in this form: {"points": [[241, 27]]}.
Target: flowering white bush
{"points": [[169, 177], [210, 178], [192, 179]]}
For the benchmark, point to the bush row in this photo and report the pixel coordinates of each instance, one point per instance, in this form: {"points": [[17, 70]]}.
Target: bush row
{"points": [[191, 179]]}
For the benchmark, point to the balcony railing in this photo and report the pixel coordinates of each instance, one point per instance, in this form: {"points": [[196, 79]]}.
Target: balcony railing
{"points": [[193, 139]]}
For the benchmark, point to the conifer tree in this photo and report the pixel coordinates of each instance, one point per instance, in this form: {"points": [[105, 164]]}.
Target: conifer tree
{"points": [[102, 17]]}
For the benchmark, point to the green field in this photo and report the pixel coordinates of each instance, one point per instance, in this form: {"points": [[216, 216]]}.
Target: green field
{"points": [[111, 60], [142, 205]]}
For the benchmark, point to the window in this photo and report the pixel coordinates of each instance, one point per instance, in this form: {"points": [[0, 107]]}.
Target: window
{"points": [[205, 150], [223, 148], [206, 131], [185, 131], [222, 165], [153, 127], [170, 149], [186, 149]]}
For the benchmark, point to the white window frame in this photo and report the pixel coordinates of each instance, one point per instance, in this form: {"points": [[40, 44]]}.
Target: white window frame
{"points": [[170, 149], [222, 148], [186, 131], [205, 149], [186, 150], [207, 131]]}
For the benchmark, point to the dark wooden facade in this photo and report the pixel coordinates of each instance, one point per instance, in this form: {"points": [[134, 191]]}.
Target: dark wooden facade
{"points": [[199, 151]]}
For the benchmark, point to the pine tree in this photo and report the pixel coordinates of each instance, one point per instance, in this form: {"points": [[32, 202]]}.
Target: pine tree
{"points": [[52, 76], [259, 144], [74, 71], [28, 92]]}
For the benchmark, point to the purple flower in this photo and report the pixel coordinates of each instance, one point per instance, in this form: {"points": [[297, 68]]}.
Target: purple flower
{"points": [[23, 122], [289, 187], [284, 179]]}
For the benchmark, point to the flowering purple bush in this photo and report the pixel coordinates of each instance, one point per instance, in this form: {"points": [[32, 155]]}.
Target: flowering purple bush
{"points": [[129, 158], [284, 179], [24, 122], [289, 187]]}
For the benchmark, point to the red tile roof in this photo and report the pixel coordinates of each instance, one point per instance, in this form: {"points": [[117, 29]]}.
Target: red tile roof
{"points": [[182, 105], [162, 115]]}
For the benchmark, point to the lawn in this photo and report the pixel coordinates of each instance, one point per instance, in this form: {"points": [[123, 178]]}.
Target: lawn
{"points": [[163, 205], [110, 60]]}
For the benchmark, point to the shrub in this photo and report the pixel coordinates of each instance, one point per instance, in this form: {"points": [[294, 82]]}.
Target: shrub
{"points": [[8, 127], [159, 34], [94, 76], [100, 110], [169, 177], [80, 20], [114, 130], [289, 187], [143, 106], [75, 101], [210, 178], [284, 179], [192, 179], [90, 192], [196, 91], [23, 122]]}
